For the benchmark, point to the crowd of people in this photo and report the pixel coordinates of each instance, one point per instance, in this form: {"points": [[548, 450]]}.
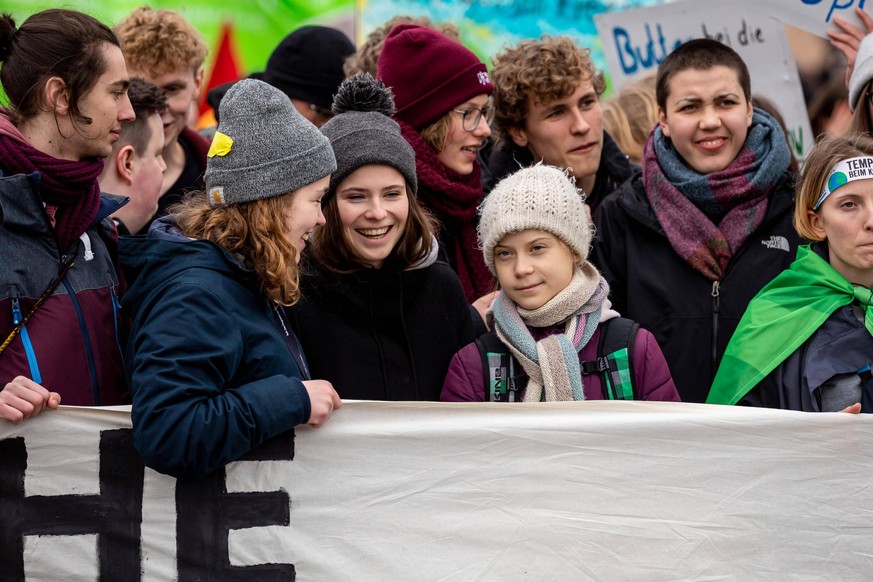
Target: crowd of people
{"points": [[403, 222]]}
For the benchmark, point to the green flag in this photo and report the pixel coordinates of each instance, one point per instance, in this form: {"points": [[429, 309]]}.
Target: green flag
{"points": [[779, 319]]}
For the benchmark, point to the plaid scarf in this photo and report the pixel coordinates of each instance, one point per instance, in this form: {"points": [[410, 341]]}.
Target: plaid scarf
{"points": [[552, 364], [69, 189], [454, 199], [688, 204]]}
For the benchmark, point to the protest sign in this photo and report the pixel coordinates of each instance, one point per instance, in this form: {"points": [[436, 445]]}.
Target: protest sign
{"points": [[636, 41], [815, 16]]}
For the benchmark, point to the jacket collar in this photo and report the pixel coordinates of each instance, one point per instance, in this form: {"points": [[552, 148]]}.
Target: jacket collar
{"points": [[27, 212]]}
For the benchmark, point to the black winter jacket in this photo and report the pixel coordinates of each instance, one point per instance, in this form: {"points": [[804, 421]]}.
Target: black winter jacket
{"points": [[382, 334], [691, 317]]}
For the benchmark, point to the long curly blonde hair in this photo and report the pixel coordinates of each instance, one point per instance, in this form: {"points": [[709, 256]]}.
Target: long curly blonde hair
{"points": [[254, 231]]}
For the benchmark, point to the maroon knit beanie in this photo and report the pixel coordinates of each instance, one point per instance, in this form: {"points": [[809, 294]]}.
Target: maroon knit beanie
{"points": [[429, 73]]}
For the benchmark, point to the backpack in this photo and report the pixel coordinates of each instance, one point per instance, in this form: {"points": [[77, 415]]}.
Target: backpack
{"points": [[614, 363]]}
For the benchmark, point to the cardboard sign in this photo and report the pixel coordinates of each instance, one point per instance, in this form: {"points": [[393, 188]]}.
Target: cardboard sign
{"points": [[636, 41], [420, 491], [815, 16]]}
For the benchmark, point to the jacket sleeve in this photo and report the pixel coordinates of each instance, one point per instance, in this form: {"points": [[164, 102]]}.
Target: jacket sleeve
{"points": [[191, 415], [464, 378], [651, 372], [608, 252]]}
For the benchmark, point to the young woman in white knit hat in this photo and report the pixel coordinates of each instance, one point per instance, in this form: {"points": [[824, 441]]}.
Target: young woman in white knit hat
{"points": [[214, 368], [557, 337]]}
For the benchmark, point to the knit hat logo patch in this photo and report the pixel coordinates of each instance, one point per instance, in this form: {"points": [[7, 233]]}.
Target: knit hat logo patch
{"points": [[216, 195], [220, 146], [483, 78]]}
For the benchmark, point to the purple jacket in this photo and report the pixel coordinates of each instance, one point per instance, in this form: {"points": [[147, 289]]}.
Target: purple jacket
{"points": [[465, 379]]}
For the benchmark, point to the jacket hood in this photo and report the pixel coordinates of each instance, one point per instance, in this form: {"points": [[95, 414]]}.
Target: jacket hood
{"points": [[151, 263]]}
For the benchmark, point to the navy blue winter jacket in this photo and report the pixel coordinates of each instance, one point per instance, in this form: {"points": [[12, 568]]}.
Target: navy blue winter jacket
{"points": [[211, 371]]}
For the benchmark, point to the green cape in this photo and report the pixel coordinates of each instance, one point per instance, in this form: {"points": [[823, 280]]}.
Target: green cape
{"points": [[779, 319]]}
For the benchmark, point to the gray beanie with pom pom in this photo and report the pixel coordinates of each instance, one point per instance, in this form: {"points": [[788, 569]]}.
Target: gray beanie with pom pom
{"points": [[363, 133]]}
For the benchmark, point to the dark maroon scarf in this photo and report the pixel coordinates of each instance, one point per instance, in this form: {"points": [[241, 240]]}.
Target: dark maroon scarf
{"points": [[71, 187], [454, 199]]}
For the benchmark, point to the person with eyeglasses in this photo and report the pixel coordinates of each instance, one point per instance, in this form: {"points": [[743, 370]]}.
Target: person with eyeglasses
{"points": [[441, 92], [547, 109]]}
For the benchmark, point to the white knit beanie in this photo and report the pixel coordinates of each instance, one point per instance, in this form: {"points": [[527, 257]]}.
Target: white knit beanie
{"points": [[536, 198], [863, 71]]}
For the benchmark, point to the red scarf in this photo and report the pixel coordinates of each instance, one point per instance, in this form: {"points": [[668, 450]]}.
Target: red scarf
{"points": [[70, 187], [454, 199]]}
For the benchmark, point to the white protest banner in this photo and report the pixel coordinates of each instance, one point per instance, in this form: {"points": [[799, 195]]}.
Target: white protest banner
{"points": [[636, 41], [815, 16], [450, 492]]}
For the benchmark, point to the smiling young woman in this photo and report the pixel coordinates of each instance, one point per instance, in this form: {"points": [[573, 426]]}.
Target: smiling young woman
{"points": [[380, 316]]}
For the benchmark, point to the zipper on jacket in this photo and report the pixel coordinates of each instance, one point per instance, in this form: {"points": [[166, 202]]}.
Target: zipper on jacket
{"points": [[18, 317], [89, 351], [116, 310], [715, 308]]}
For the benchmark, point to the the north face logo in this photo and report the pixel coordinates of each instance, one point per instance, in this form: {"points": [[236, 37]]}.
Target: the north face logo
{"points": [[777, 242], [483, 78]]}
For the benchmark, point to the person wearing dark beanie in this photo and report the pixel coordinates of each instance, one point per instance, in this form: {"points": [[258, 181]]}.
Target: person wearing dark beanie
{"points": [[441, 91], [308, 67], [380, 317]]}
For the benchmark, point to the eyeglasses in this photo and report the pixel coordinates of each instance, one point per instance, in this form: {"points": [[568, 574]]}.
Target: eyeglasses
{"points": [[472, 116]]}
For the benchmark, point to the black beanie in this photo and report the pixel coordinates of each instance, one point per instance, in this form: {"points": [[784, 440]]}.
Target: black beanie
{"points": [[308, 64]]}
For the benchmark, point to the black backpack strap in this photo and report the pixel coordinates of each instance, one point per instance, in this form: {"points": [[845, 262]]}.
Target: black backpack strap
{"points": [[615, 359], [499, 370]]}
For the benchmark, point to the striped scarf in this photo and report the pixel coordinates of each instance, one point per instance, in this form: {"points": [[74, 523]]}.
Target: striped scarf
{"points": [[552, 364], [688, 205]]}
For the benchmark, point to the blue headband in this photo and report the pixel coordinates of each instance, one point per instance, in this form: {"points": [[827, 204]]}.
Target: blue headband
{"points": [[844, 172]]}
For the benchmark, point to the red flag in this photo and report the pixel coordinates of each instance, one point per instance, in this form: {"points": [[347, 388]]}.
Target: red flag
{"points": [[224, 67]]}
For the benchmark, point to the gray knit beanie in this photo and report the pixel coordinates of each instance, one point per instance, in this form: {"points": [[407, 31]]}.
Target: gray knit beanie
{"points": [[536, 198], [863, 71], [362, 131], [263, 147]]}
